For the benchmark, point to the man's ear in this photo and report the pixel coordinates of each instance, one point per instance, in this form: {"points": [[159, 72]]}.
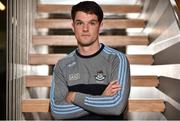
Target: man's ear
{"points": [[101, 27], [72, 26]]}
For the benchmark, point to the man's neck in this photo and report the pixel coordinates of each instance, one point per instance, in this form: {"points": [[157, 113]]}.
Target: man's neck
{"points": [[89, 50]]}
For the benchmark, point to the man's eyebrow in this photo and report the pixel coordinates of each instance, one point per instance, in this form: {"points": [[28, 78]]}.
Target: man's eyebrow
{"points": [[94, 20], [78, 20], [75, 21]]}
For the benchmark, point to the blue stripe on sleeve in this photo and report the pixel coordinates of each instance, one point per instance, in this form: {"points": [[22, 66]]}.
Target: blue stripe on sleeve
{"points": [[113, 100], [62, 109]]}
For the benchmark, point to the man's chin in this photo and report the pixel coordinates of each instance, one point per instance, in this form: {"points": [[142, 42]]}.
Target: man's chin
{"points": [[85, 44]]}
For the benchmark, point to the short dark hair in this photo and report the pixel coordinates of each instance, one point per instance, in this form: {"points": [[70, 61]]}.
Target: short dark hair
{"points": [[89, 7]]}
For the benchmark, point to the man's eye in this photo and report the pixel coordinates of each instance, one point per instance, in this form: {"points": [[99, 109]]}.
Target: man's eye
{"points": [[93, 23], [79, 23]]}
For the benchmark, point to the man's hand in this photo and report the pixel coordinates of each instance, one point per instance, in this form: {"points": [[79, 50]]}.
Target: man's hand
{"points": [[112, 88], [70, 97]]}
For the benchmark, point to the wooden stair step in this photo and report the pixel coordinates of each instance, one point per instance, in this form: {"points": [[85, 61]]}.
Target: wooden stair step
{"points": [[141, 59], [44, 59], [69, 40], [51, 59], [146, 106], [52, 8], [38, 81], [42, 105], [45, 81], [144, 81], [107, 23]]}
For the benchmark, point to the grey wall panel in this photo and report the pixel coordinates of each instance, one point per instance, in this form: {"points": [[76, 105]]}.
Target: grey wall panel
{"points": [[170, 55], [19, 34], [163, 23], [170, 87], [149, 7], [161, 20], [171, 113]]}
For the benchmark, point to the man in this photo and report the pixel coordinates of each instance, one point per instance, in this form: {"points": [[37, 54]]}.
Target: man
{"points": [[92, 82]]}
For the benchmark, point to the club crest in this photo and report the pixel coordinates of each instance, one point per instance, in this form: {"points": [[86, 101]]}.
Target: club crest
{"points": [[100, 76]]}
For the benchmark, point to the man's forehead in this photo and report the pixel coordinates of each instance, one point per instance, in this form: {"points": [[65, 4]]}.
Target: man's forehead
{"points": [[80, 15]]}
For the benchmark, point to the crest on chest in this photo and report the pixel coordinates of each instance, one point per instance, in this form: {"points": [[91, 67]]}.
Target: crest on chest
{"points": [[100, 76]]}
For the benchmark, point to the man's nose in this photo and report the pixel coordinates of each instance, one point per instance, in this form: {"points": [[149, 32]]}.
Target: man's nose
{"points": [[85, 27]]}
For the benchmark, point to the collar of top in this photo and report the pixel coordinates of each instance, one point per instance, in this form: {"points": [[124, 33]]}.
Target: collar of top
{"points": [[89, 56]]}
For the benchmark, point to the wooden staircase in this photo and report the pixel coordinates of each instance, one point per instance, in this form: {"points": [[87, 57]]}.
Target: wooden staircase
{"points": [[42, 105]]}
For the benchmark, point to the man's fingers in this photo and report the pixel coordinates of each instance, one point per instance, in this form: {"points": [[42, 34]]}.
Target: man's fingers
{"points": [[113, 92], [116, 89], [113, 82], [115, 86], [112, 88]]}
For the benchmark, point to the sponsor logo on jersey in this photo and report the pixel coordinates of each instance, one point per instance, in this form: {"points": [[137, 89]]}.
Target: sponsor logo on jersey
{"points": [[74, 76], [100, 76], [72, 64]]}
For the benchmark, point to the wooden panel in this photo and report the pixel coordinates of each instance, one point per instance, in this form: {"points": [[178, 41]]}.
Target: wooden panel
{"points": [[45, 81], [140, 59], [145, 81], [69, 40], [51, 59], [47, 8], [42, 105], [46, 59], [146, 106], [178, 4], [38, 81], [108, 23], [35, 105]]}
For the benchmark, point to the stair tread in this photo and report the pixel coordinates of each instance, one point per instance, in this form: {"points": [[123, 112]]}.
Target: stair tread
{"points": [[52, 8], [145, 81], [51, 59], [69, 40], [45, 81], [42, 105], [107, 23]]}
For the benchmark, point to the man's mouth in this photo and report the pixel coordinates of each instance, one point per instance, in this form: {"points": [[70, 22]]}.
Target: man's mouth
{"points": [[85, 35]]}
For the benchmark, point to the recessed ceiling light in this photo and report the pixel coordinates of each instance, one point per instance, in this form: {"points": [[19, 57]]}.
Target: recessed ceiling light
{"points": [[2, 7]]}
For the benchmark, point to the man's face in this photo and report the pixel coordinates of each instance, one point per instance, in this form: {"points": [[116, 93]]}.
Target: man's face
{"points": [[86, 28]]}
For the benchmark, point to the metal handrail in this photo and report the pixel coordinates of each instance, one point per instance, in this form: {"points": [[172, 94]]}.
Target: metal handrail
{"points": [[176, 11]]}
